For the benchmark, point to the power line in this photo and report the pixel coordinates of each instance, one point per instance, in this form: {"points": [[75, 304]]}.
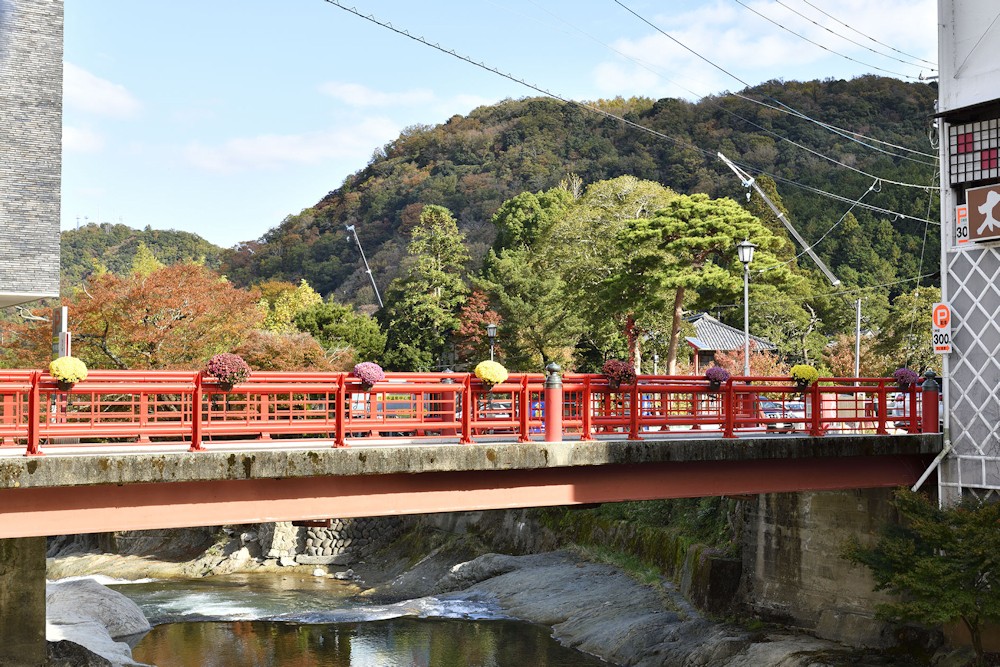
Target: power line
{"points": [[817, 44], [733, 76], [847, 134], [908, 55], [848, 39], [590, 107], [850, 135]]}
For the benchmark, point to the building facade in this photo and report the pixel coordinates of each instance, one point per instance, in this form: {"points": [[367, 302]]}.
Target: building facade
{"points": [[31, 78], [969, 131]]}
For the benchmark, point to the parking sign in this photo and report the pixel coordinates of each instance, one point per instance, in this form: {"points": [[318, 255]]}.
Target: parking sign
{"points": [[941, 328]]}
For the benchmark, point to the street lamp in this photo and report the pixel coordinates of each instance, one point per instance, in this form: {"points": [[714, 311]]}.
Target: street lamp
{"points": [[745, 251], [491, 333]]}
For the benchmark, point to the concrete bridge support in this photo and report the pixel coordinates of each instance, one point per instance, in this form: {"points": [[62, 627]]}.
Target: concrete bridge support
{"points": [[22, 602], [792, 569]]}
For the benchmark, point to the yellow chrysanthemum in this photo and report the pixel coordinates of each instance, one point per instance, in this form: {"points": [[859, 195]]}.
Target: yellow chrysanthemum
{"points": [[491, 372], [68, 369]]}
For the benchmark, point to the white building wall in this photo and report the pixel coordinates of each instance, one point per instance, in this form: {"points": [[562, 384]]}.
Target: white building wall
{"points": [[969, 103]]}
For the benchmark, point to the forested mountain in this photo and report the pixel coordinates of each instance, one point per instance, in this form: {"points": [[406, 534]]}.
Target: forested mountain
{"points": [[472, 164], [113, 248]]}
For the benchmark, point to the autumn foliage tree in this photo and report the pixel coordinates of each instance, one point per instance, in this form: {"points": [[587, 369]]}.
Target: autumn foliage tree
{"points": [[173, 317]]}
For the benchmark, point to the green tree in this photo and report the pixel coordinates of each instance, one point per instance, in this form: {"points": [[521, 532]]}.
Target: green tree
{"points": [[145, 262], [689, 246], [905, 339], [281, 301], [421, 307], [524, 279], [347, 336], [941, 563], [587, 244]]}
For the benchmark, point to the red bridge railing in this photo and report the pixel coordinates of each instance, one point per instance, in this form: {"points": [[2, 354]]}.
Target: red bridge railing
{"points": [[139, 408]]}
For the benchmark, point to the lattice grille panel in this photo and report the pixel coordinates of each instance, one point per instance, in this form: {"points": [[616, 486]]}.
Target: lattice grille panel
{"points": [[974, 368]]}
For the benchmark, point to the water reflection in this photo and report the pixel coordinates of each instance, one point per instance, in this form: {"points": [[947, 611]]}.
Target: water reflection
{"points": [[403, 642]]}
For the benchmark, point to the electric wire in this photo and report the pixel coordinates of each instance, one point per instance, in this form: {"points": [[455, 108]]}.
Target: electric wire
{"points": [[848, 39], [817, 44], [847, 134], [815, 243], [730, 74], [866, 36], [590, 107]]}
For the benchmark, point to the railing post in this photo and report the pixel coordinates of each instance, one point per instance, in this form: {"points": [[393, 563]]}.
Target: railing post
{"points": [[524, 405], [635, 398], [143, 416], [881, 408], [816, 423], [341, 410], [728, 407], [930, 390], [553, 403], [34, 415], [196, 415], [468, 405], [586, 407]]}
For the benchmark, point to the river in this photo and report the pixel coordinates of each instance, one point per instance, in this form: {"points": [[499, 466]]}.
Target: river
{"points": [[293, 620]]}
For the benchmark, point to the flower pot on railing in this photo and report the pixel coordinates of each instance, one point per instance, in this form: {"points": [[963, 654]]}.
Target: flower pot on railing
{"points": [[803, 376], [490, 373], [618, 373], [716, 375], [228, 370], [67, 371], [905, 378], [369, 373]]}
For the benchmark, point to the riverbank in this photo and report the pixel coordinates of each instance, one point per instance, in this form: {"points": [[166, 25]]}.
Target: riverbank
{"points": [[591, 606]]}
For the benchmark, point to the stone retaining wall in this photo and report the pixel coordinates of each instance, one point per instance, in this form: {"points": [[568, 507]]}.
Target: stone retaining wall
{"points": [[343, 542]]}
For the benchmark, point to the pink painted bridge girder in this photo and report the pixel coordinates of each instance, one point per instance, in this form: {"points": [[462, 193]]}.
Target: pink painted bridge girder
{"points": [[166, 493]]}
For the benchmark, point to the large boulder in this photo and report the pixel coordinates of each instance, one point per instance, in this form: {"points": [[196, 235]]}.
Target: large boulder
{"points": [[86, 613]]}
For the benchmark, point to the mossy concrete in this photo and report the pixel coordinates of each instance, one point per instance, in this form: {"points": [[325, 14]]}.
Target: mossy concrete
{"points": [[313, 459]]}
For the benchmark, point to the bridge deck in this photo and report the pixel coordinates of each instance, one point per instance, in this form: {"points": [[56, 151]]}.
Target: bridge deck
{"points": [[95, 490]]}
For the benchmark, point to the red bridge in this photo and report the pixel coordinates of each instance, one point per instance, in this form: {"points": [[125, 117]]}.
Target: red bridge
{"points": [[132, 450], [135, 409]]}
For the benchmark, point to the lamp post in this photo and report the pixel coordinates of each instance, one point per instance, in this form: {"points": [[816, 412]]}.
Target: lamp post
{"points": [[745, 251], [491, 333]]}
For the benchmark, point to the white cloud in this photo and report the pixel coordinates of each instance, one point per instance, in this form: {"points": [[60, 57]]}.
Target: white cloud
{"points": [[270, 151], [754, 49], [87, 92], [357, 95], [81, 140]]}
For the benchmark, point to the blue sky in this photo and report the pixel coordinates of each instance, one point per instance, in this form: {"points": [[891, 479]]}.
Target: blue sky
{"points": [[223, 117]]}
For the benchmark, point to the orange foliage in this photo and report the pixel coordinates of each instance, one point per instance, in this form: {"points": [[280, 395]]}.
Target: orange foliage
{"points": [[175, 317], [762, 364], [269, 351]]}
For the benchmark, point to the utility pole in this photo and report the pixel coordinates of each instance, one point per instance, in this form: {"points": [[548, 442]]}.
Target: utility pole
{"points": [[364, 259], [857, 339], [748, 182]]}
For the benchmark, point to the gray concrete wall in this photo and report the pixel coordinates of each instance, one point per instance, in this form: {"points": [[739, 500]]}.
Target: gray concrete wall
{"points": [[31, 71], [792, 569], [22, 602]]}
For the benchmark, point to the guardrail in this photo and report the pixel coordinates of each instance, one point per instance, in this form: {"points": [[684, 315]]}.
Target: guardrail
{"points": [[142, 407]]}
